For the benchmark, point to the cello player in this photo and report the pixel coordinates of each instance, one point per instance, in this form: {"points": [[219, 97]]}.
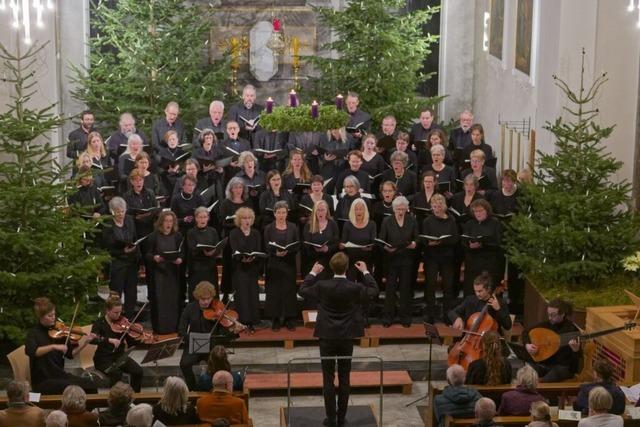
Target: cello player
{"points": [[193, 320], [564, 364], [483, 294]]}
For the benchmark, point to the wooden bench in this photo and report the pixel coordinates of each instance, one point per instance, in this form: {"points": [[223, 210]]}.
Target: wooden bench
{"points": [[522, 421], [313, 381], [551, 391], [100, 400]]}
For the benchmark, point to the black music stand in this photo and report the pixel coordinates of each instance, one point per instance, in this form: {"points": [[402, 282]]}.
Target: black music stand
{"points": [[431, 331], [199, 342], [161, 350]]}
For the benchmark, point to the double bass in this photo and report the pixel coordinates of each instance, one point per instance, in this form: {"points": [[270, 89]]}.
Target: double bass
{"points": [[469, 348]]}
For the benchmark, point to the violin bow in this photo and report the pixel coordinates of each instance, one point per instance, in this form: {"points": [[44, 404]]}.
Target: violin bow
{"points": [[126, 330], [224, 310], [73, 321]]}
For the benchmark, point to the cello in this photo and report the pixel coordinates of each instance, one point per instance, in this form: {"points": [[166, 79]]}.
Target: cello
{"points": [[469, 348]]}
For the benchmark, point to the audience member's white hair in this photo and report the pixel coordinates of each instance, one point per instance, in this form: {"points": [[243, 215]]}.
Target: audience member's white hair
{"points": [[455, 375], [57, 419], [140, 416]]}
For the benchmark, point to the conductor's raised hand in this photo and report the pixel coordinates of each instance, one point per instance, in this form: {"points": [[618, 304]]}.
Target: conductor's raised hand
{"points": [[317, 268], [361, 266]]}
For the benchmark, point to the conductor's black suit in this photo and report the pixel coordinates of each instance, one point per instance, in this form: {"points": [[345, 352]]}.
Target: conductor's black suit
{"points": [[340, 320]]}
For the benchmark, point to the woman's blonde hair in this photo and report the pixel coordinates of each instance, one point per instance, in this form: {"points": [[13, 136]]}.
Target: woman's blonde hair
{"points": [[352, 211], [305, 173], [175, 396], [244, 211], [103, 152], [161, 218], [527, 377], [314, 226]]}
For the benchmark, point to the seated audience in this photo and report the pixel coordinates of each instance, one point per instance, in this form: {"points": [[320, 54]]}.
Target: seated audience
{"points": [[541, 415], [220, 403], [120, 398], [174, 407], [603, 377], [518, 401], [600, 402], [74, 401], [141, 416], [57, 419], [19, 411], [456, 399], [485, 410], [219, 361], [492, 368]]}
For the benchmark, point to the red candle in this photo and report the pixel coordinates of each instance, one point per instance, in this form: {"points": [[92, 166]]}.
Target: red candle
{"points": [[269, 105], [314, 110], [276, 24], [339, 102]]}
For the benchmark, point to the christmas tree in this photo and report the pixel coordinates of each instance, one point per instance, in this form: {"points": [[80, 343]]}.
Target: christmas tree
{"points": [[380, 53], [575, 224], [43, 246], [145, 54]]}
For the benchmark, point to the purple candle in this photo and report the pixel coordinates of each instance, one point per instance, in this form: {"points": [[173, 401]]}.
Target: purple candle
{"points": [[269, 105], [339, 102], [293, 98], [314, 110]]}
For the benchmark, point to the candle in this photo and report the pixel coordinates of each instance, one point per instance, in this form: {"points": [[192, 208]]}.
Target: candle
{"points": [[293, 99], [269, 105], [276, 24], [339, 102], [314, 109]]}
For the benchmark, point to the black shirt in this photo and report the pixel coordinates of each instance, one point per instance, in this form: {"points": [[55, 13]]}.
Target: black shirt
{"points": [[393, 234], [161, 127], [105, 351], [50, 365], [471, 304]]}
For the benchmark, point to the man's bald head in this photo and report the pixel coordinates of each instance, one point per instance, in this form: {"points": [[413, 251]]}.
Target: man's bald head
{"points": [[223, 379]]}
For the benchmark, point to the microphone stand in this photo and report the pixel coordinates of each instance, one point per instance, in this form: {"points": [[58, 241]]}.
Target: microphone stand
{"points": [[431, 331]]}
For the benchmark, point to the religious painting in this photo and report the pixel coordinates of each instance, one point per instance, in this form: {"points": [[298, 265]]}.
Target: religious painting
{"points": [[496, 28], [524, 31]]}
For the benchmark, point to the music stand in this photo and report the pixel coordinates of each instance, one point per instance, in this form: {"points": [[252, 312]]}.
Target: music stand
{"points": [[161, 350], [200, 342], [431, 331]]}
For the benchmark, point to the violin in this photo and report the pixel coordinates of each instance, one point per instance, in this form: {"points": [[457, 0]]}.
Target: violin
{"points": [[134, 330], [469, 348], [60, 331], [218, 312]]}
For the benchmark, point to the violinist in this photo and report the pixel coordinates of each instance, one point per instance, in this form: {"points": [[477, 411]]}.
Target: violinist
{"points": [[193, 320], [564, 364], [483, 294], [46, 354], [110, 357]]}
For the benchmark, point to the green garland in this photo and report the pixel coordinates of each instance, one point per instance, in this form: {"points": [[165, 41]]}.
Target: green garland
{"points": [[298, 119]]}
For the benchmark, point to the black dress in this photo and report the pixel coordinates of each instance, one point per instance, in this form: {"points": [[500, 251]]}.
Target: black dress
{"points": [[280, 279], [165, 282], [226, 214], [268, 199], [183, 417], [184, 205], [124, 266], [359, 236], [329, 236], [484, 258], [245, 275], [201, 267]]}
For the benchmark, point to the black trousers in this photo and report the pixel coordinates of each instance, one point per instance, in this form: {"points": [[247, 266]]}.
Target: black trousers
{"points": [[552, 373], [124, 278], [57, 385], [114, 370], [433, 266], [398, 279], [187, 362], [328, 348]]}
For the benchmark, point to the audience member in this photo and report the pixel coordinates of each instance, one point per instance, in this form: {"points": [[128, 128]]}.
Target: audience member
{"points": [[57, 418], [603, 377], [74, 401], [541, 415], [456, 399], [19, 411], [219, 361], [485, 410], [518, 401], [120, 398], [174, 407], [600, 402], [220, 403], [492, 368], [141, 416]]}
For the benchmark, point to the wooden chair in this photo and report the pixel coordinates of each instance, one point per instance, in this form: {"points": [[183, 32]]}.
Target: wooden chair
{"points": [[20, 364]]}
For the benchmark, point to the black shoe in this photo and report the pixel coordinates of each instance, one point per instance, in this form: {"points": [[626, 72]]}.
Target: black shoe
{"points": [[326, 422], [275, 325], [386, 323], [406, 324], [251, 329], [290, 325]]}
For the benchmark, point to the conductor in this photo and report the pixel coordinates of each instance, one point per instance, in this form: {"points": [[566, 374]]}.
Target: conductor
{"points": [[340, 320]]}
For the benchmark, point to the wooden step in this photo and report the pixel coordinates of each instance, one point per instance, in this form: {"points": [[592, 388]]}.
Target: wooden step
{"points": [[376, 333], [313, 381], [300, 335]]}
